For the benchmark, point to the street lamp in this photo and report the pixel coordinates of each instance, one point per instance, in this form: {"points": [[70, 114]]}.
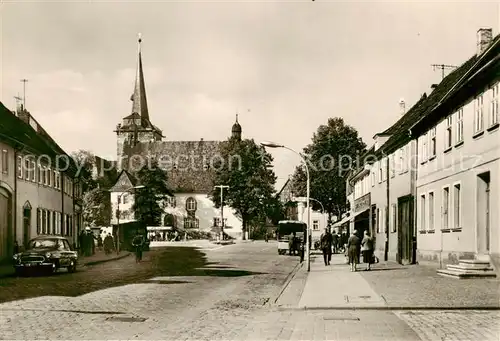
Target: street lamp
{"points": [[118, 215], [276, 145], [221, 208]]}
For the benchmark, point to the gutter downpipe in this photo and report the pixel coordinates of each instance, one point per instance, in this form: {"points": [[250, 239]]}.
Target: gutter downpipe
{"points": [[16, 151], [388, 198], [413, 191]]}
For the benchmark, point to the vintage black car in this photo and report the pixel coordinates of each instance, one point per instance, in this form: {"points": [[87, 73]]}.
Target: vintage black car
{"points": [[48, 253]]}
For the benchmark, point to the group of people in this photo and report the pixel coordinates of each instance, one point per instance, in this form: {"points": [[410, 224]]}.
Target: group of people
{"points": [[357, 246], [86, 241], [353, 248]]}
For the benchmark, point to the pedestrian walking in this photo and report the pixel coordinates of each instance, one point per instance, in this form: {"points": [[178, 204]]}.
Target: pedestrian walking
{"points": [[137, 243], [99, 243], [367, 250], [335, 244], [108, 244], [326, 241], [353, 248], [88, 242]]}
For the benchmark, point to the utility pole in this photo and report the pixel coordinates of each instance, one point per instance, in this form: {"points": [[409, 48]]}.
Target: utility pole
{"points": [[443, 67], [221, 208], [24, 91]]}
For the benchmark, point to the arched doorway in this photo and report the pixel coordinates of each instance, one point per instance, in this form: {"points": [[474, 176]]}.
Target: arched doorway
{"points": [[169, 220], [26, 223], [6, 239]]}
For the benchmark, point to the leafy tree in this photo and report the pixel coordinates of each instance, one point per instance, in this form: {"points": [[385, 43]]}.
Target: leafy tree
{"points": [[335, 149], [276, 211], [96, 198], [247, 169], [148, 201], [96, 207], [85, 161]]}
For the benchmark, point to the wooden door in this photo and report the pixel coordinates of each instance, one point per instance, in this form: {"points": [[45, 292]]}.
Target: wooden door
{"points": [[5, 226], [483, 214], [405, 230]]}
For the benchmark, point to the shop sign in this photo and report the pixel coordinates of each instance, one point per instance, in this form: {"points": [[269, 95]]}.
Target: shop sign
{"points": [[362, 204]]}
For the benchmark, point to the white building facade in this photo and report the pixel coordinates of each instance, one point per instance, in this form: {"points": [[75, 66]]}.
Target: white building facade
{"points": [[459, 169], [38, 196]]}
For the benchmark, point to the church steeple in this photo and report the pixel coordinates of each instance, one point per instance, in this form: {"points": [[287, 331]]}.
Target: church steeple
{"points": [[140, 103], [236, 130]]}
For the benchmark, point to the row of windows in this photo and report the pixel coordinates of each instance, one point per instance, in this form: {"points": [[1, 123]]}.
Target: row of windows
{"points": [[30, 170], [217, 221], [50, 222], [451, 210], [191, 223], [454, 132], [398, 163], [491, 96]]}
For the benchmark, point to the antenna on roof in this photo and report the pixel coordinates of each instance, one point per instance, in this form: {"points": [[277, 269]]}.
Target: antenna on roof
{"points": [[18, 101], [442, 67], [24, 91]]}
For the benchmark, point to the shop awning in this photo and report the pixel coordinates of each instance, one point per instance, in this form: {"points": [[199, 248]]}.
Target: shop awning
{"points": [[159, 228], [342, 222]]}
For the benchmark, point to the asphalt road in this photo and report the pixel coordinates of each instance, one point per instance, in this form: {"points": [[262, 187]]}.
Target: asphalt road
{"points": [[179, 292]]}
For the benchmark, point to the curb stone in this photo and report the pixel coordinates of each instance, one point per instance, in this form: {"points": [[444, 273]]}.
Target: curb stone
{"points": [[288, 279], [105, 260], [390, 308]]}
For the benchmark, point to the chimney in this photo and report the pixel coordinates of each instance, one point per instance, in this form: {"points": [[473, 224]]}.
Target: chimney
{"points": [[402, 106], [484, 37], [23, 114]]}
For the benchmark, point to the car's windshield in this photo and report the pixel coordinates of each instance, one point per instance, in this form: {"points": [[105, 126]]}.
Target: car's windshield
{"points": [[43, 243]]}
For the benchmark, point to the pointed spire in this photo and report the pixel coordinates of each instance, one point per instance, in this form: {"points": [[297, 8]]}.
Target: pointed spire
{"points": [[140, 103], [236, 117]]}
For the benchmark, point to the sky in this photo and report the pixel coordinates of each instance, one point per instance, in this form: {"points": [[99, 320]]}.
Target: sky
{"points": [[284, 66]]}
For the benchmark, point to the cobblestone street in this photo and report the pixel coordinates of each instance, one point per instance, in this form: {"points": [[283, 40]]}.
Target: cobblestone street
{"points": [[224, 296]]}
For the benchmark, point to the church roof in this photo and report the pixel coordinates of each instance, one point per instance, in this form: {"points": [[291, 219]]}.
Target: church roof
{"points": [[189, 164]]}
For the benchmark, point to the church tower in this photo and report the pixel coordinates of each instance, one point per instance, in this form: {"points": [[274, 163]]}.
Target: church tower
{"points": [[136, 128], [236, 130]]}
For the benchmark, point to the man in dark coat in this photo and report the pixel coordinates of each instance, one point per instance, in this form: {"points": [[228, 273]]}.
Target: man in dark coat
{"points": [[326, 241], [335, 238]]}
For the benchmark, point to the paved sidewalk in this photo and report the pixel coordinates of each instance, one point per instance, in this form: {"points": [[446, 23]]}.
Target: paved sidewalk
{"points": [[334, 286], [398, 302], [97, 258], [393, 286]]}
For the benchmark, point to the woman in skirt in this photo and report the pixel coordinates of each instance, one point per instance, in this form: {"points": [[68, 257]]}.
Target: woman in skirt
{"points": [[353, 246], [367, 250]]}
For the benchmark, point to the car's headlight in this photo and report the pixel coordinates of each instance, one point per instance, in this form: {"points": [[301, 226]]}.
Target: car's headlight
{"points": [[48, 255]]}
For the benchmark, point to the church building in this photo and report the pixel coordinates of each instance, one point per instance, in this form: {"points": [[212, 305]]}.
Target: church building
{"points": [[189, 165]]}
